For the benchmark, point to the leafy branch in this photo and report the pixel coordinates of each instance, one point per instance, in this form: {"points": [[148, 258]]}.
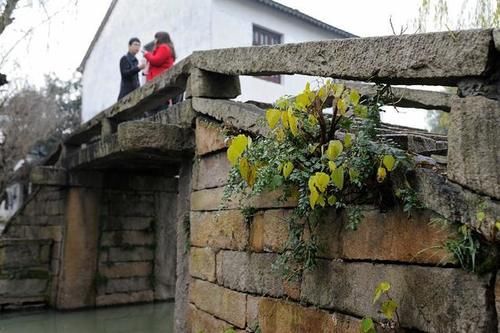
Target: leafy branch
{"points": [[322, 159]]}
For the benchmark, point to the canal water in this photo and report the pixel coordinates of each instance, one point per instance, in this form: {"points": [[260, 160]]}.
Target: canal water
{"points": [[147, 318]]}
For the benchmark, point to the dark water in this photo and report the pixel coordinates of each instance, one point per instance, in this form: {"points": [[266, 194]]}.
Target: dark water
{"points": [[149, 318]]}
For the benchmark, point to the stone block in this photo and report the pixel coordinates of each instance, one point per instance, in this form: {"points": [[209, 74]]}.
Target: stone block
{"points": [[412, 240], [127, 238], [457, 204], [224, 229], [473, 145], [52, 208], [131, 205], [128, 223], [127, 285], [210, 84], [282, 317], [224, 303], [118, 254], [125, 298], [136, 135], [211, 199], [430, 299], [211, 171], [202, 263], [47, 220], [249, 272], [201, 321], [45, 251], [269, 230], [20, 254], [209, 137], [48, 175], [253, 311], [52, 193], [182, 257], [53, 232], [23, 287], [181, 114], [129, 269], [292, 289], [427, 58], [244, 116]]}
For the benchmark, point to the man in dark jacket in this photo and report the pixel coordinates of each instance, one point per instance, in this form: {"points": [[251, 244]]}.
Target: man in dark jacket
{"points": [[129, 68]]}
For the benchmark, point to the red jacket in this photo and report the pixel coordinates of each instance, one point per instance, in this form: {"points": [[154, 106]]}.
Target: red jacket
{"points": [[159, 60]]}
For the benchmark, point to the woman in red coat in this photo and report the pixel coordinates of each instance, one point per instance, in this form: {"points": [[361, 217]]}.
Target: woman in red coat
{"points": [[162, 57]]}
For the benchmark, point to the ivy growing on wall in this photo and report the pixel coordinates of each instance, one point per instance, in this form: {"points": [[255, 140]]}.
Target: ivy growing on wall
{"points": [[321, 150]]}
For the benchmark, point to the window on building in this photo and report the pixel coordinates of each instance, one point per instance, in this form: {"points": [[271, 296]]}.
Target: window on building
{"points": [[263, 36]]}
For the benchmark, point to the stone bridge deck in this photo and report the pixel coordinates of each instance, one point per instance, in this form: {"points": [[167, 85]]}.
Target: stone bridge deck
{"points": [[124, 211]]}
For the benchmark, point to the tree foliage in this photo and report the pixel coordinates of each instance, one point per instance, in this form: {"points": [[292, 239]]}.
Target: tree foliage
{"points": [[458, 14], [33, 121]]}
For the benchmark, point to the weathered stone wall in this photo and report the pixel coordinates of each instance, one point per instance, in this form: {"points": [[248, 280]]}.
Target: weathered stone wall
{"points": [[136, 251], [41, 220], [95, 239], [24, 273], [234, 285]]}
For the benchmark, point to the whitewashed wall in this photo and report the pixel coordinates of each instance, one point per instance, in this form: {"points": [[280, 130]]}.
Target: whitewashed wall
{"points": [[187, 21], [194, 25], [232, 26], [15, 198]]}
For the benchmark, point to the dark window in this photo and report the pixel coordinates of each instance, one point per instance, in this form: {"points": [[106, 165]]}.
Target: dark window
{"points": [[262, 36]]}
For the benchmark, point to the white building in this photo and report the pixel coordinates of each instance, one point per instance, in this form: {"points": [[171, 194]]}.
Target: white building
{"points": [[196, 25], [14, 195]]}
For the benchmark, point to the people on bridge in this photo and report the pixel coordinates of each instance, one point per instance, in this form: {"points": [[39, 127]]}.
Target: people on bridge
{"points": [[129, 68], [162, 57]]}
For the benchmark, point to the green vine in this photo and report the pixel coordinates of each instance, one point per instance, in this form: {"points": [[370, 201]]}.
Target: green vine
{"points": [[321, 158]]}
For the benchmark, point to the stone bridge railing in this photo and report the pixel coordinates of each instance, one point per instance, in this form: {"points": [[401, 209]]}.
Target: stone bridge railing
{"points": [[467, 60], [225, 280]]}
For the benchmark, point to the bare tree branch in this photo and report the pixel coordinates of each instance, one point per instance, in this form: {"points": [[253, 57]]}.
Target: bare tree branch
{"points": [[6, 16]]}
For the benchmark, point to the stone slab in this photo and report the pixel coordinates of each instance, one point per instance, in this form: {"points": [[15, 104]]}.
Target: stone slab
{"points": [[48, 175], [202, 263], [125, 270], [135, 135], [457, 204], [201, 321], [283, 317], [243, 116], [211, 171], [430, 299], [224, 303], [433, 58], [209, 137], [127, 285], [23, 287], [219, 230], [213, 85], [249, 272], [474, 147], [211, 199], [120, 238]]}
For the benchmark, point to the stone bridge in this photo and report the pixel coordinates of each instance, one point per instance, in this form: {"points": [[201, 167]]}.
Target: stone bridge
{"points": [[127, 209]]}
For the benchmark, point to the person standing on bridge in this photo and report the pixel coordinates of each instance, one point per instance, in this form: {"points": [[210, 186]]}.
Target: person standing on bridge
{"points": [[129, 68], [162, 57]]}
